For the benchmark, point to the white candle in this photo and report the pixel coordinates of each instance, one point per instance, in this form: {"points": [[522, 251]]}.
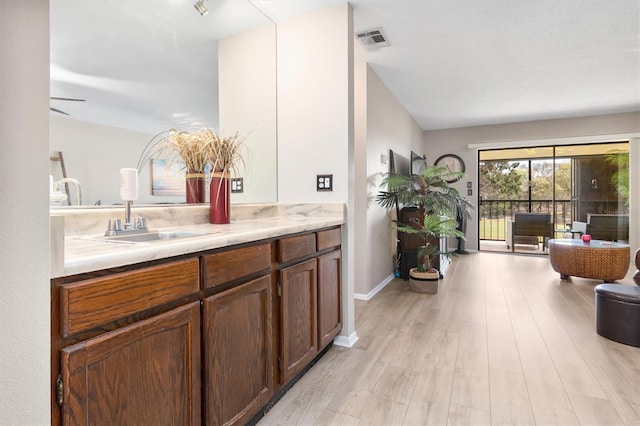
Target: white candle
{"points": [[129, 184]]}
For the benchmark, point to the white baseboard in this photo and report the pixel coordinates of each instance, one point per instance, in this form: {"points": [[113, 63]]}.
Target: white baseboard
{"points": [[346, 341], [375, 290]]}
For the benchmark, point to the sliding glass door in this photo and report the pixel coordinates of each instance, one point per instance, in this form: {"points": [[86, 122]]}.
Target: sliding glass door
{"points": [[569, 182]]}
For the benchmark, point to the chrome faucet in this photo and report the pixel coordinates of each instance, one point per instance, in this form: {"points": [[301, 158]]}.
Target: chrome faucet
{"points": [[116, 227], [129, 193], [76, 183], [127, 214]]}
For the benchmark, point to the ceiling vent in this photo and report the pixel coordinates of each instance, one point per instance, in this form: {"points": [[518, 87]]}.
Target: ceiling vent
{"points": [[373, 39]]}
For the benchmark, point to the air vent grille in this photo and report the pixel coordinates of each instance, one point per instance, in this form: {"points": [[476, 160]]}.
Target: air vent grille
{"points": [[373, 38]]}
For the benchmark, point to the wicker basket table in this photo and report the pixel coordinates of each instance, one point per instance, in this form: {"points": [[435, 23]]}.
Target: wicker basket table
{"points": [[605, 260]]}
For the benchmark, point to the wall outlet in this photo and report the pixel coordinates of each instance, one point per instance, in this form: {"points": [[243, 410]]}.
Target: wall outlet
{"points": [[324, 182], [237, 185]]}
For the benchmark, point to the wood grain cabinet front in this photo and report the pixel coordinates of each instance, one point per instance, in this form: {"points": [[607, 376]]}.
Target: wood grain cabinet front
{"points": [[94, 302], [329, 297], [298, 317], [331, 238], [193, 340], [296, 247], [226, 266], [309, 298], [237, 352], [145, 373]]}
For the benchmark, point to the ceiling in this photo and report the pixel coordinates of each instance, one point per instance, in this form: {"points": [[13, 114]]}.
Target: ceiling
{"points": [[453, 63]]}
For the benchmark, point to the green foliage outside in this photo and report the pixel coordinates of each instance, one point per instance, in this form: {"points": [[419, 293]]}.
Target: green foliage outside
{"points": [[500, 180], [491, 229], [542, 180], [494, 229], [620, 178], [508, 180]]}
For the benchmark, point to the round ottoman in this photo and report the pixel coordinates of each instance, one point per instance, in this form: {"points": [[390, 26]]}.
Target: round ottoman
{"points": [[618, 313], [602, 260]]}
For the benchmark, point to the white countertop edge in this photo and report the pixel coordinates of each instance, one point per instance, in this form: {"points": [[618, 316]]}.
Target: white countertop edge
{"points": [[82, 254]]}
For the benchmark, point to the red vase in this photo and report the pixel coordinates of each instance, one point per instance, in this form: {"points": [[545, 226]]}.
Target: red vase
{"points": [[219, 198], [195, 187]]}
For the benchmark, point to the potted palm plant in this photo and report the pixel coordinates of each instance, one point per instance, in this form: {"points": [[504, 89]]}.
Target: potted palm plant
{"points": [[437, 205]]}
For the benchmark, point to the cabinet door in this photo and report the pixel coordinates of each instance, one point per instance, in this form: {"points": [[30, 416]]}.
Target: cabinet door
{"points": [[238, 352], [329, 297], [144, 373], [299, 335]]}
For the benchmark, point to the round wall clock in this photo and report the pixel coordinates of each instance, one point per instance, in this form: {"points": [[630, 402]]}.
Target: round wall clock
{"points": [[452, 162]]}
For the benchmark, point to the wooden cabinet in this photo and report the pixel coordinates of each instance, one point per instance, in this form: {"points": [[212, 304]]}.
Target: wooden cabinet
{"points": [[237, 352], [91, 303], [237, 334], [144, 373], [227, 266], [310, 297], [293, 248], [299, 339], [329, 297], [198, 339], [126, 346]]}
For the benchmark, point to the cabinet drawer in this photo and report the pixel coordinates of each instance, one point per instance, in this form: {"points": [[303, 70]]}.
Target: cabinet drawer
{"points": [[220, 268], [296, 247], [98, 301], [330, 238]]}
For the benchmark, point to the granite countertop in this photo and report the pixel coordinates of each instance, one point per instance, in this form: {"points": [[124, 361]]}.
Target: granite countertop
{"points": [[88, 252]]}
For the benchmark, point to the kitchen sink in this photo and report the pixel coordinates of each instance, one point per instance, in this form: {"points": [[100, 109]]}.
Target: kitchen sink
{"points": [[152, 236]]}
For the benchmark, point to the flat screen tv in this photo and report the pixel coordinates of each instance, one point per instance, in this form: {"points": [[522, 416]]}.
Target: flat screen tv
{"points": [[418, 163], [399, 164]]}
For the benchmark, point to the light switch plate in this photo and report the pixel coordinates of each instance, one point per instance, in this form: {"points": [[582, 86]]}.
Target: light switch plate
{"points": [[324, 182], [237, 185]]}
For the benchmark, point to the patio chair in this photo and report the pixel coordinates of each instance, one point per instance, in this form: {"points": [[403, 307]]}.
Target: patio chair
{"points": [[608, 227], [527, 228]]}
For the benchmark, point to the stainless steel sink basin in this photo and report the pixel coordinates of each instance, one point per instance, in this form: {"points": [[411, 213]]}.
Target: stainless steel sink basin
{"points": [[154, 236]]}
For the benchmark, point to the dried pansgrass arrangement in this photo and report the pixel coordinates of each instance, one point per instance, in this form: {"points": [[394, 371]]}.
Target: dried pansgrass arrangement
{"points": [[226, 154], [196, 149]]}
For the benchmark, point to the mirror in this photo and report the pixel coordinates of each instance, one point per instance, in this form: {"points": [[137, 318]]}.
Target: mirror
{"points": [[142, 67]]}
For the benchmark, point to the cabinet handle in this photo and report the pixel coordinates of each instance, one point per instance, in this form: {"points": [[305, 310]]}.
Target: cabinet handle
{"points": [[59, 391]]}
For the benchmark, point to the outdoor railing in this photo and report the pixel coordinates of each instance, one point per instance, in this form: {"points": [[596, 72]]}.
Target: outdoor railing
{"points": [[493, 215]]}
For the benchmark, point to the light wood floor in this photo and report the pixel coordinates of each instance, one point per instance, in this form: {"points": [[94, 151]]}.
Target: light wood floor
{"points": [[503, 342]]}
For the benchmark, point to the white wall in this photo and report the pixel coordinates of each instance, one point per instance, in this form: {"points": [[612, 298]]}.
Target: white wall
{"points": [[361, 186], [247, 99], [313, 107], [388, 126], [457, 141], [315, 123], [94, 154], [24, 251]]}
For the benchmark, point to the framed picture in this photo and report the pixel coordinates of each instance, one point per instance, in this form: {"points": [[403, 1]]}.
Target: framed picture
{"points": [[167, 178]]}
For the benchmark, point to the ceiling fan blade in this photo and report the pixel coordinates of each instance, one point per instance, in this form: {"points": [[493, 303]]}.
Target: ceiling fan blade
{"points": [[55, 98], [58, 111]]}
